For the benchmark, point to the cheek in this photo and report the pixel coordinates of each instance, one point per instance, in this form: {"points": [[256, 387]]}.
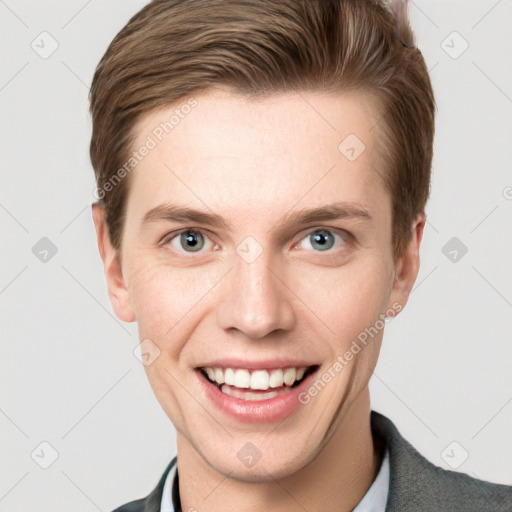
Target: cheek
{"points": [[164, 297], [348, 300]]}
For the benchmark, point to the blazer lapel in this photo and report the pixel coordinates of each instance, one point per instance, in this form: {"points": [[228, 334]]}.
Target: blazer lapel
{"points": [[152, 502], [414, 481]]}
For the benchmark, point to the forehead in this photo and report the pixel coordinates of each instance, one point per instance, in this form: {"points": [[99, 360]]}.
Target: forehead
{"points": [[260, 155]]}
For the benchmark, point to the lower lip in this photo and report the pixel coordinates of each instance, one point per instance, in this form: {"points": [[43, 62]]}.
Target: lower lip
{"points": [[263, 411]]}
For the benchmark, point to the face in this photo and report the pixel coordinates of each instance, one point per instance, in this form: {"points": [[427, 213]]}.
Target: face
{"points": [[256, 251]]}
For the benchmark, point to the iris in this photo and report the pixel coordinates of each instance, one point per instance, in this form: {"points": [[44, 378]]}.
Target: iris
{"points": [[323, 240], [192, 240]]}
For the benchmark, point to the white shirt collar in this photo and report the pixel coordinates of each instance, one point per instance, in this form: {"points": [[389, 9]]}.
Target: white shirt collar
{"points": [[373, 501], [377, 495], [166, 504]]}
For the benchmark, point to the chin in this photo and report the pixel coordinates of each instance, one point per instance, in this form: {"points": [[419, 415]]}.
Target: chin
{"points": [[273, 460]]}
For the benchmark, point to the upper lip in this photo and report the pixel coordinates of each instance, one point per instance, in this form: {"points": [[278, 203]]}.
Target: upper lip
{"points": [[257, 365]]}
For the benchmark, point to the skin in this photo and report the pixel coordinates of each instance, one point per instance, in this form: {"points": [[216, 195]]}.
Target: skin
{"points": [[253, 162]]}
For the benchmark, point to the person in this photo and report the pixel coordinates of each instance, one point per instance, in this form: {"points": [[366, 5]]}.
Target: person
{"points": [[262, 171]]}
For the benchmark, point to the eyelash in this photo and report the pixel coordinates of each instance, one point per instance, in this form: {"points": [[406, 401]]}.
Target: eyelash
{"points": [[343, 235]]}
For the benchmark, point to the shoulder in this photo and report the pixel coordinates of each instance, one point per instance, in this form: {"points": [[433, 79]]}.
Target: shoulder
{"points": [[151, 503], [417, 484]]}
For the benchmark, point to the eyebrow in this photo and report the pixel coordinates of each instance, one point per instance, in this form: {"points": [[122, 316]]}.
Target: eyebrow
{"points": [[183, 214]]}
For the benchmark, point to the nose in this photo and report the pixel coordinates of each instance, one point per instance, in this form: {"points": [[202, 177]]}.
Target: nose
{"points": [[255, 299]]}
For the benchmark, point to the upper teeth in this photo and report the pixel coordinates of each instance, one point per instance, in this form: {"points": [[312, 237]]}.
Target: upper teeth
{"points": [[257, 379]]}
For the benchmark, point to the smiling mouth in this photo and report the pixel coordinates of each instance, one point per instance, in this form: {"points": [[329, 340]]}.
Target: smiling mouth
{"points": [[260, 384]]}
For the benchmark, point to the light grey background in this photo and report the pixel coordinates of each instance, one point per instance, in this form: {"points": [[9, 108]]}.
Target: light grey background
{"points": [[68, 373]]}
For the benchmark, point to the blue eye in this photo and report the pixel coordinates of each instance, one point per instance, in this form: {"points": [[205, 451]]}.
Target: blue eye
{"points": [[193, 241], [189, 241], [320, 240]]}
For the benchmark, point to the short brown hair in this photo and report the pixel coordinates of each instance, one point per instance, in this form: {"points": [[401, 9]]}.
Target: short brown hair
{"points": [[172, 48]]}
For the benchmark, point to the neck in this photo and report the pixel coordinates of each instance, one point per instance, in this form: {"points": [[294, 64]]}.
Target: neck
{"points": [[335, 480]]}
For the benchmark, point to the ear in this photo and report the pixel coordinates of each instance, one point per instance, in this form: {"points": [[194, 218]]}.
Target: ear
{"points": [[407, 267], [117, 291]]}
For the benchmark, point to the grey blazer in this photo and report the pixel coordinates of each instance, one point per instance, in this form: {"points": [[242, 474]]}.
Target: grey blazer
{"points": [[416, 485]]}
